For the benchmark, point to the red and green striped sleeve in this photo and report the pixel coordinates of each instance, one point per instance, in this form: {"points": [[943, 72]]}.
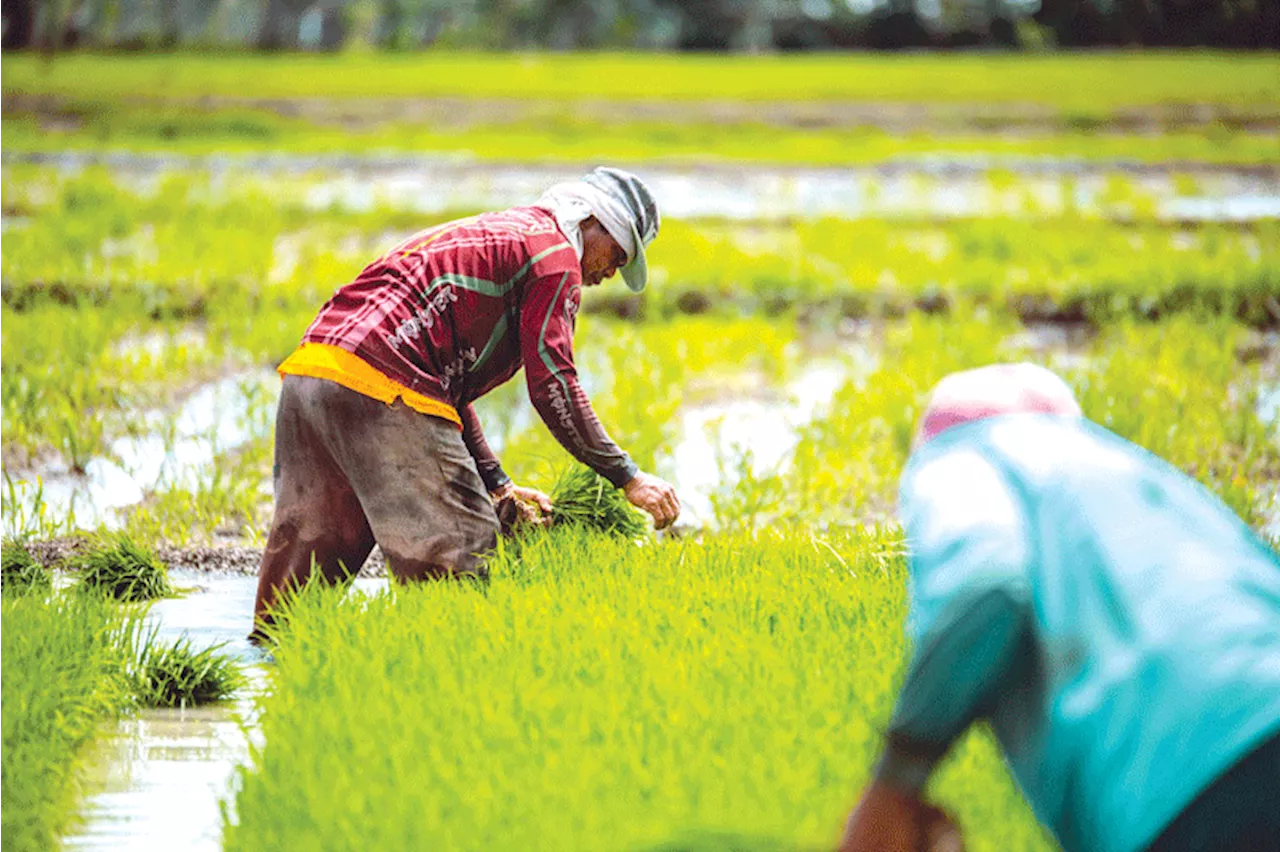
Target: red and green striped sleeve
{"points": [[547, 321]]}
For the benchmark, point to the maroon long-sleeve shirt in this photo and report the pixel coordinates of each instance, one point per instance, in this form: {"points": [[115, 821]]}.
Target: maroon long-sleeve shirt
{"points": [[456, 310]]}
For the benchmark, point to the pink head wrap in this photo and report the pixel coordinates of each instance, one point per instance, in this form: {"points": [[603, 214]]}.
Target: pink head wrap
{"points": [[990, 391]]}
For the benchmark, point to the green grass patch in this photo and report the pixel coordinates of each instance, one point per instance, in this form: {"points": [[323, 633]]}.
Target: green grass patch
{"points": [[65, 671], [21, 573], [119, 567], [1085, 82], [176, 674], [601, 695]]}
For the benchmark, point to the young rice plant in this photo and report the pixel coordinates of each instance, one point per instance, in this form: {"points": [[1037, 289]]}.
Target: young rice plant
{"points": [[21, 572], [177, 675], [584, 498], [121, 568]]}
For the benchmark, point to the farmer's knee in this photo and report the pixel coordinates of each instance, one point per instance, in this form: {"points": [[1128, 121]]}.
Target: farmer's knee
{"points": [[442, 558]]}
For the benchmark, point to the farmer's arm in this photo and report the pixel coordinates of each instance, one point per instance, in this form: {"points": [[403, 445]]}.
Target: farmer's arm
{"points": [[970, 625], [546, 343], [955, 679], [495, 479], [491, 472]]}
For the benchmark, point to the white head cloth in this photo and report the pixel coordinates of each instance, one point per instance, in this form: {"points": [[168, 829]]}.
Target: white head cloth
{"points": [[571, 203]]}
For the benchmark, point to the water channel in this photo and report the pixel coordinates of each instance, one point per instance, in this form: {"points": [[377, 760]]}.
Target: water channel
{"points": [[935, 186]]}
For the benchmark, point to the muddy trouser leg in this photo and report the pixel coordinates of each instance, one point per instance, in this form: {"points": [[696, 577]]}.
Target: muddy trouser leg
{"points": [[350, 470], [420, 490], [1239, 812], [318, 519]]}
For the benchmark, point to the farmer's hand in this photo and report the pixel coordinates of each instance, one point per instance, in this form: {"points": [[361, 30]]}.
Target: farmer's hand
{"points": [[534, 496], [655, 496], [888, 820], [517, 505]]}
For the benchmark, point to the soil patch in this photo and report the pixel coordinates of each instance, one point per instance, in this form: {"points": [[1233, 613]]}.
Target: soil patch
{"points": [[230, 558]]}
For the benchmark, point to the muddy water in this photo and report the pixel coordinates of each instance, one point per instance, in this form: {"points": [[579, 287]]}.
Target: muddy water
{"points": [[953, 186], [757, 426], [752, 434], [160, 779], [173, 449]]}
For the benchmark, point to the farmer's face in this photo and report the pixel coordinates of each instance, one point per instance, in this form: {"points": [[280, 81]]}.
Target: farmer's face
{"points": [[601, 254]]}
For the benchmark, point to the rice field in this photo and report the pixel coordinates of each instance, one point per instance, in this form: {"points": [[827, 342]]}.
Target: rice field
{"points": [[643, 108], [720, 686]]}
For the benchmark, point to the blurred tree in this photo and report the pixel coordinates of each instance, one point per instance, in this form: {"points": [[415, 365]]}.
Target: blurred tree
{"points": [[281, 22], [19, 24], [170, 26], [741, 25], [897, 26], [53, 24]]}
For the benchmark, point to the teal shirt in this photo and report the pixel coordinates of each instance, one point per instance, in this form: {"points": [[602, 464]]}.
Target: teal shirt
{"points": [[1148, 654]]}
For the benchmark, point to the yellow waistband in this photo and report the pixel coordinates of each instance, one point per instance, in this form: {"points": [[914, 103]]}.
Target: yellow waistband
{"points": [[338, 365]]}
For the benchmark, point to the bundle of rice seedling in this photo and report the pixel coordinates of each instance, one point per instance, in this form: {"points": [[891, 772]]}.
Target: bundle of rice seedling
{"points": [[177, 675], [120, 567], [20, 572], [582, 497]]}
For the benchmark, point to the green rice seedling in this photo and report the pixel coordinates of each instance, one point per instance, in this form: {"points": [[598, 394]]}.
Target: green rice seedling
{"points": [[26, 515], [1176, 388], [118, 566], [177, 675], [21, 572], [582, 497], [601, 695], [65, 672]]}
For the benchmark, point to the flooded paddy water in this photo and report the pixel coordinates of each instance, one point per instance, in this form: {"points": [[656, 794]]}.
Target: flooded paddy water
{"points": [[170, 449], [942, 187], [733, 424], [160, 778], [745, 416]]}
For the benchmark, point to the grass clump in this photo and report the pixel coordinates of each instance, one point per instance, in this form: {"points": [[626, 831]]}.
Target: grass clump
{"points": [[65, 671], [20, 572], [121, 568], [581, 497], [178, 675]]}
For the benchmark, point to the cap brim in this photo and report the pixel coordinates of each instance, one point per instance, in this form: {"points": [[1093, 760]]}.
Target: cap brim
{"points": [[636, 272]]}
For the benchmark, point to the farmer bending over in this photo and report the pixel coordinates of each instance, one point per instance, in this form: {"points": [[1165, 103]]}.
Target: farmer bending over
{"points": [[1117, 625], [376, 438]]}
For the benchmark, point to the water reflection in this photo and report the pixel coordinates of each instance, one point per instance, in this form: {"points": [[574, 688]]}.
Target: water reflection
{"points": [[161, 778], [938, 186], [173, 449]]}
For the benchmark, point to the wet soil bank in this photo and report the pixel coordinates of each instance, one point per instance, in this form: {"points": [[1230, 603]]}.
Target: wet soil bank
{"points": [[231, 558]]}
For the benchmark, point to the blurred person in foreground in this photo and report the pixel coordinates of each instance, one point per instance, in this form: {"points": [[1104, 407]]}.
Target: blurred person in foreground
{"points": [[1117, 625], [376, 438]]}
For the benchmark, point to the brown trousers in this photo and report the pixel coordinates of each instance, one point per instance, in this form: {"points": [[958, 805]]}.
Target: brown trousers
{"points": [[349, 471]]}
